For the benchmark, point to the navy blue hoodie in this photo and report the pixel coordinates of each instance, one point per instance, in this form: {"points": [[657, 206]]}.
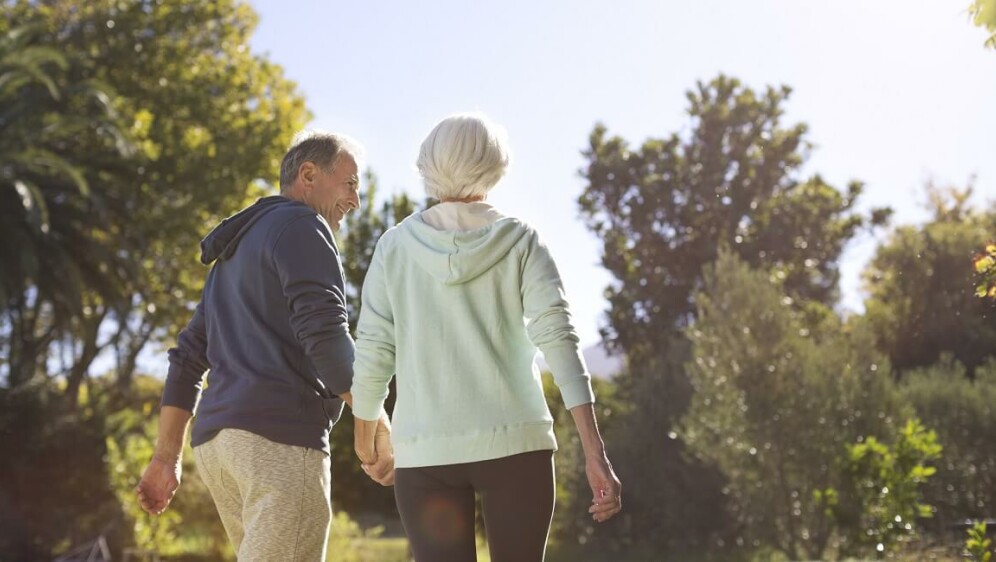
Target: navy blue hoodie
{"points": [[272, 328]]}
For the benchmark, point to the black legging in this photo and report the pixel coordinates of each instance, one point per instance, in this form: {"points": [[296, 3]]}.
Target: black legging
{"points": [[517, 494]]}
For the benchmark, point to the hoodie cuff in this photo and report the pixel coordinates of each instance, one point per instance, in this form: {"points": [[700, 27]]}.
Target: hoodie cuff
{"points": [[570, 374], [366, 410], [338, 377], [180, 396], [577, 392]]}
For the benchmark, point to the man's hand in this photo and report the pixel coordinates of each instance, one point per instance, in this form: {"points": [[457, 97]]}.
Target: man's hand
{"points": [[605, 489], [159, 484], [372, 441], [162, 477]]}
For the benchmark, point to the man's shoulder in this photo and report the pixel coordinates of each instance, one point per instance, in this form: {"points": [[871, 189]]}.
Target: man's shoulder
{"points": [[295, 218], [290, 211]]}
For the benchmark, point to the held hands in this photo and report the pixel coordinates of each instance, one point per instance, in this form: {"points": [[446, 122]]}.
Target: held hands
{"points": [[372, 441], [159, 484], [605, 488]]}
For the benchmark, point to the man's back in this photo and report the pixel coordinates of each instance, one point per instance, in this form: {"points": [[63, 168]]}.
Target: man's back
{"points": [[272, 303]]}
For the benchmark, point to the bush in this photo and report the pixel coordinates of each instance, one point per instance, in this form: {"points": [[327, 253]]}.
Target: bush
{"points": [[54, 487], [963, 413]]}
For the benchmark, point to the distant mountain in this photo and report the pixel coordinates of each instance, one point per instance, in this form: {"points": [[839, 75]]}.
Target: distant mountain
{"points": [[600, 363]]}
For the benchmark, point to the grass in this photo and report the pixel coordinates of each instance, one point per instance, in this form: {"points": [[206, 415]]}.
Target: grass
{"points": [[393, 549]]}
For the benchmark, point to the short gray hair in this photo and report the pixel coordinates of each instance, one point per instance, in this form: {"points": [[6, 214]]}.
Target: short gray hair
{"points": [[322, 148], [464, 156]]}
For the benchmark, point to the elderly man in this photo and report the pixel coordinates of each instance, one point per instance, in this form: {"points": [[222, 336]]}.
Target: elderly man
{"points": [[272, 328]]}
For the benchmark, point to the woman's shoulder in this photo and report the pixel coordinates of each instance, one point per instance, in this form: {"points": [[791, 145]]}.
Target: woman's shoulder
{"points": [[391, 237], [518, 224]]}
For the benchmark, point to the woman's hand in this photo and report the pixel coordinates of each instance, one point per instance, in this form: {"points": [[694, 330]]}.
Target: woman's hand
{"points": [[372, 441], [606, 489]]}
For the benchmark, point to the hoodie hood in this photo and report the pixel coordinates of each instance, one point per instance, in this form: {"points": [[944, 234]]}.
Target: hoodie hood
{"points": [[454, 257], [221, 242]]}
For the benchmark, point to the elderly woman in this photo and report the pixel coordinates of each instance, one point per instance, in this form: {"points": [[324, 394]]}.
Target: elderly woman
{"points": [[455, 303]]}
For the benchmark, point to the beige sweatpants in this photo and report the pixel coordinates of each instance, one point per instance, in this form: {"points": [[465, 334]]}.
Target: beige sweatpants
{"points": [[273, 499]]}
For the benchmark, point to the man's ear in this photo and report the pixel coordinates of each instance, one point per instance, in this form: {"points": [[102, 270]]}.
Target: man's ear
{"points": [[307, 173]]}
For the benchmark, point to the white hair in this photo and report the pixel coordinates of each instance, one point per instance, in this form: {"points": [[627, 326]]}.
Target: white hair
{"points": [[320, 147], [464, 156]]}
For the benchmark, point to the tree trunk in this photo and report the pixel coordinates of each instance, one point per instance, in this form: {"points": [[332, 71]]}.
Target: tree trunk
{"points": [[127, 365], [90, 328], [27, 346]]}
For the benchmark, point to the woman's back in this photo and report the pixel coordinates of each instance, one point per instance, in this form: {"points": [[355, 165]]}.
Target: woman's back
{"points": [[456, 300], [453, 304]]}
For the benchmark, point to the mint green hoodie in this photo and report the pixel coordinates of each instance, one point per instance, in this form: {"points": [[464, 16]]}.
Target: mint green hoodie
{"points": [[457, 316]]}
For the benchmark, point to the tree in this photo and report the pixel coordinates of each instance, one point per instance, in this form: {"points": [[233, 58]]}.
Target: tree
{"points": [[922, 287], [211, 121], [663, 210], [983, 14], [793, 414], [53, 243], [109, 262], [985, 267]]}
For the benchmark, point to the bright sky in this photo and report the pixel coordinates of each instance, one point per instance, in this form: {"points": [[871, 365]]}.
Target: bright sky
{"points": [[896, 93]]}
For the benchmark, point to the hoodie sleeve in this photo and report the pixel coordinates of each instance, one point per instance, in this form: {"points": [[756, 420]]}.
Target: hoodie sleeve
{"points": [[374, 343], [307, 263], [548, 323], [187, 364]]}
